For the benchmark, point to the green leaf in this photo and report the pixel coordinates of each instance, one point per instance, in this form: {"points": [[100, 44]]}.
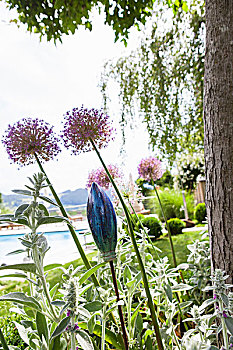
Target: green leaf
{"points": [[91, 324], [22, 332], [127, 274], [21, 209], [21, 298], [61, 327], [58, 303], [139, 322], [90, 272], [48, 200], [44, 209], [51, 267], [51, 220], [7, 217], [22, 221], [185, 6], [18, 275], [168, 292], [27, 267], [181, 287], [18, 251], [229, 323], [212, 347], [110, 337], [59, 344], [134, 315], [93, 306], [41, 325], [148, 343], [84, 340], [24, 192]]}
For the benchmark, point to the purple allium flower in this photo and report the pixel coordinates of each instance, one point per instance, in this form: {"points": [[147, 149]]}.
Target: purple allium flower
{"points": [[28, 137], [224, 314], [215, 296], [150, 168], [101, 178], [81, 125], [76, 326]]}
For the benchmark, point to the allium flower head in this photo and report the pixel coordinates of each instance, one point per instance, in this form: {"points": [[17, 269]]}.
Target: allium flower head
{"points": [[28, 137], [150, 168], [101, 178], [81, 125]]}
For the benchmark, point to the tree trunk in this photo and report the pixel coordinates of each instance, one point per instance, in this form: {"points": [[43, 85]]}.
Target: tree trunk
{"points": [[218, 119]]}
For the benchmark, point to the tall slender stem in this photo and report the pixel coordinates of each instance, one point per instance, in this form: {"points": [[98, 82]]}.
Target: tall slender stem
{"points": [[3, 341], [71, 229], [119, 306], [168, 228], [131, 231], [143, 228], [72, 346]]}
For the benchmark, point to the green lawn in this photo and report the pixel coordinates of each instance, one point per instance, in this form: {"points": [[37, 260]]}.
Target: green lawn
{"points": [[180, 245]]}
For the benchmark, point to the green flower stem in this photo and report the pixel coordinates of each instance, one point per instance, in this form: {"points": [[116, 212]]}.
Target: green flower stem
{"points": [[71, 229], [224, 328], [168, 228], [119, 306], [169, 233], [147, 235], [40, 270], [3, 341], [142, 268], [103, 328], [72, 345]]}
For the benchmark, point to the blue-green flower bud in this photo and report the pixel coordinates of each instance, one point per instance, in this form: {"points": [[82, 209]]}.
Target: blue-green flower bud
{"points": [[102, 221]]}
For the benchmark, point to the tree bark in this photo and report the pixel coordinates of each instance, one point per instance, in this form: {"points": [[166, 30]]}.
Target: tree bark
{"points": [[218, 120]]}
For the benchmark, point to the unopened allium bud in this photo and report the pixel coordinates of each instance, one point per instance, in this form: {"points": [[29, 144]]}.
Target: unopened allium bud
{"points": [[102, 220]]}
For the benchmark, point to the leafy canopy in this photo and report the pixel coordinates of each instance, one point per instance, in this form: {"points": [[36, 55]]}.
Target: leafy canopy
{"points": [[53, 18], [162, 81]]}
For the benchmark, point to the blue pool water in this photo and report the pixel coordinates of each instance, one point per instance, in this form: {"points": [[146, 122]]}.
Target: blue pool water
{"points": [[62, 247]]}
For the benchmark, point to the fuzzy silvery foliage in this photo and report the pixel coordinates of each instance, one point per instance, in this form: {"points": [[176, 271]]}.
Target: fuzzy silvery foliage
{"points": [[199, 266], [49, 318]]}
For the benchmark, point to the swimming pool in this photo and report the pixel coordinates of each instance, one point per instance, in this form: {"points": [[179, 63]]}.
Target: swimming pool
{"points": [[62, 247]]}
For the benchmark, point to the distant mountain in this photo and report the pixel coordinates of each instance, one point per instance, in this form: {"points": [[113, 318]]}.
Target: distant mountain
{"points": [[76, 197], [13, 200]]}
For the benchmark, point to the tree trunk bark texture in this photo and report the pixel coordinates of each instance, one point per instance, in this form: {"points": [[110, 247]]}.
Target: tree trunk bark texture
{"points": [[218, 120]]}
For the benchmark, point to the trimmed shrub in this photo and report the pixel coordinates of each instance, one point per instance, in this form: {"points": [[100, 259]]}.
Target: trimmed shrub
{"points": [[200, 212], [153, 225], [172, 202], [176, 226]]}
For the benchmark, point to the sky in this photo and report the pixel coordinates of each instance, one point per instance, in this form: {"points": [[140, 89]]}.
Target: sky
{"points": [[39, 79]]}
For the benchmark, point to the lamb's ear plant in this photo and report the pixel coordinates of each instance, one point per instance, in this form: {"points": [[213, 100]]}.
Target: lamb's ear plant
{"points": [[46, 322]]}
